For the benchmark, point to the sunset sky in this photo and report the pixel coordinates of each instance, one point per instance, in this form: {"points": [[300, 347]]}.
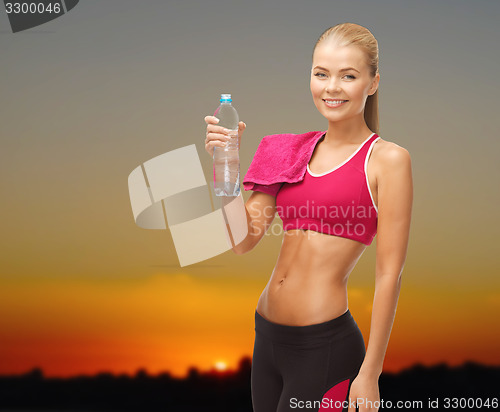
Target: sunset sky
{"points": [[88, 97]]}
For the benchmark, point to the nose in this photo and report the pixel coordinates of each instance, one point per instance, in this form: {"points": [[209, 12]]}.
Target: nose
{"points": [[333, 85]]}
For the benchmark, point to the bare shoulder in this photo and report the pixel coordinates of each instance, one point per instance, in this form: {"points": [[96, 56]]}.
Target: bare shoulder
{"points": [[390, 157]]}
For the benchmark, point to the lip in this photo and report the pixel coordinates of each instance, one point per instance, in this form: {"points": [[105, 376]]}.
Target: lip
{"points": [[336, 105]]}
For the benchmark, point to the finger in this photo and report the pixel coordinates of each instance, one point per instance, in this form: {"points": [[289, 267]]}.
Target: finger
{"points": [[241, 128], [352, 404], [211, 128], [209, 147], [211, 120], [215, 143], [213, 137]]}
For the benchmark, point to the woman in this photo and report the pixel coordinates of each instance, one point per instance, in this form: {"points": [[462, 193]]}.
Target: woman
{"points": [[309, 352]]}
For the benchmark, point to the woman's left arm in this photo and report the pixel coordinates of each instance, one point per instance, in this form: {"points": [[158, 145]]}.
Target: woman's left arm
{"points": [[395, 198]]}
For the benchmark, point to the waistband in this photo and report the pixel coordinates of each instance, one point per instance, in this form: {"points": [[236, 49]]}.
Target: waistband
{"points": [[335, 328]]}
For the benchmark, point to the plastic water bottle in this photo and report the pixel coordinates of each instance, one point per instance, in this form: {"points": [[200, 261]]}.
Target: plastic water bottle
{"points": [[226, 159]]}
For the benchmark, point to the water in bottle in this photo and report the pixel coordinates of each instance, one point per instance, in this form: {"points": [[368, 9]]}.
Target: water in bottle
{"points": [[226, 159]]}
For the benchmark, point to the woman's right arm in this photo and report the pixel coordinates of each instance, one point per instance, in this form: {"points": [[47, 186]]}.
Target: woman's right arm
{"points": [[259, 209]]}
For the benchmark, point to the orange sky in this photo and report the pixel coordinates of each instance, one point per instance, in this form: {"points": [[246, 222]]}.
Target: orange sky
{"points": [[169, 322], [92, 95]]}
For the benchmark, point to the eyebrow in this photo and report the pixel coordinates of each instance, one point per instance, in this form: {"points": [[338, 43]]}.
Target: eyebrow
{"points": [[341, 70]]}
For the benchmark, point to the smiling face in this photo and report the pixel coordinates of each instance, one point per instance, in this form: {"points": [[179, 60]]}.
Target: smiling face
{"points": [[341, 73]]}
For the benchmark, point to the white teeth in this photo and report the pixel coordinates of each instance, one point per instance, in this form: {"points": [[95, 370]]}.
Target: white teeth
{"points": [[335, 101]]}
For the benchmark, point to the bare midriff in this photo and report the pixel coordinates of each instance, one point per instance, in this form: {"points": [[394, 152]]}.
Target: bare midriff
{"points": [[309, 282]]}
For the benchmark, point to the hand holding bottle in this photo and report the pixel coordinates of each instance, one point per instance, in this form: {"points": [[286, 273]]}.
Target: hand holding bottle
{"points": [[223, 140], [217, 136], [226, 161]]}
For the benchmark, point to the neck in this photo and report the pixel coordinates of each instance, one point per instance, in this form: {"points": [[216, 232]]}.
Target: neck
{"points": [[352, 130]]}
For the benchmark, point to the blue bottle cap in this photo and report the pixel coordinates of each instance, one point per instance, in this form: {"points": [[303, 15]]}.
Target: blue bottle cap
{"points": [[225, 98]]}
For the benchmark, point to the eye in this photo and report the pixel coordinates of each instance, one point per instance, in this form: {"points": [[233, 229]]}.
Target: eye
{"points": [[350, 75], [320, 74]]}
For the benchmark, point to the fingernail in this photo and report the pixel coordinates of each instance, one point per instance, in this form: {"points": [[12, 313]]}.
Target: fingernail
{"points": [[226, 131], [216, 120]]}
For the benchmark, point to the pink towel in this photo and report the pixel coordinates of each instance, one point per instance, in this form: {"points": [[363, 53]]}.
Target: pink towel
{"points": [[281, 158]]}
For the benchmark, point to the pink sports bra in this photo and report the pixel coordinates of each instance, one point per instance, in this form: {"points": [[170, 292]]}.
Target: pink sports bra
{"points": [[338, 202]]}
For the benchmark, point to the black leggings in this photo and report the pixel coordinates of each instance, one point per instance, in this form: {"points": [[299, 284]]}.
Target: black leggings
{"points": [[303, 368]]}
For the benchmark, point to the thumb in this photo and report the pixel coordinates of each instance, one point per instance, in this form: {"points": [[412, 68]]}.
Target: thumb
{"points": [[242, 125]]}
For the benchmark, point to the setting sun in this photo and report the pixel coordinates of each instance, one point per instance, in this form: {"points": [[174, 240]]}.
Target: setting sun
{"points": [[220, 366]]}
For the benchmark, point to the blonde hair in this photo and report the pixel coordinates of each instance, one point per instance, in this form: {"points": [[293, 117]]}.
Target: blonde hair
{"points": [[346, 34]]}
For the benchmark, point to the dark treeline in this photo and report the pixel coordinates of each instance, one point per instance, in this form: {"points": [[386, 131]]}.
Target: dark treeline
{"points": [[230, 391]]}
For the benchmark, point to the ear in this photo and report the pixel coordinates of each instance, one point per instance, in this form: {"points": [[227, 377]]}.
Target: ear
{"points": [[374, 86]]}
